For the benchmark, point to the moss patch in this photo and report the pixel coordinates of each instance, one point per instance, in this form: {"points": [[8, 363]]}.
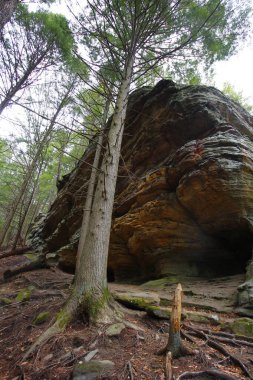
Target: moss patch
{"points": [[5, 301], [93, 303], [41, 318], [23, 295], [63, 319], [31, 256]]}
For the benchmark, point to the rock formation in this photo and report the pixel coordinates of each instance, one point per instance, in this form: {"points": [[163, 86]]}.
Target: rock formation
{"points": [[184, 201]]}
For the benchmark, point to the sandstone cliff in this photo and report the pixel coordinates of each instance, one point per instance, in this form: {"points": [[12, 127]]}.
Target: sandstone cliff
{"points": [[184, 202]]}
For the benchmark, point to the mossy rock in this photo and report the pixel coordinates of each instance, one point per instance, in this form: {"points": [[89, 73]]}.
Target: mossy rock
{"points": [[41, 318], [24, 295], [5, 301], [161, 283], [199, 317], [159, 312], [137, 301], [240, 326], [115, 329], [92, 369]]}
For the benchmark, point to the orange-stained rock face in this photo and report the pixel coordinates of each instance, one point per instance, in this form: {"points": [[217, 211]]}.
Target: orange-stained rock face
{"points": [[184, 201]]}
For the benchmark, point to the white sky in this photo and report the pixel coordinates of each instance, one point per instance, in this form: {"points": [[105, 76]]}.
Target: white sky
{"points": [[238, 71]]}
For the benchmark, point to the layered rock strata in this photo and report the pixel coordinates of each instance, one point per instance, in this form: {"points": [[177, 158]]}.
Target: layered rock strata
{"points": [[184, 199]]}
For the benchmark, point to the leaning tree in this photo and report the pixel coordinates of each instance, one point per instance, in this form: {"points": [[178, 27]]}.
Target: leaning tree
{"points": [[33, 43], [136, 36]]}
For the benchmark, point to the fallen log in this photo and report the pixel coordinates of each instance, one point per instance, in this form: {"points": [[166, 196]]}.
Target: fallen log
{"points": [[32, 265], [11, 252]]}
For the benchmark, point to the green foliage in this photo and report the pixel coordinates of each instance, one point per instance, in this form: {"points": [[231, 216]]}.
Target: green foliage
{"points": [[50, 27], [181, 34], [237, 96]]}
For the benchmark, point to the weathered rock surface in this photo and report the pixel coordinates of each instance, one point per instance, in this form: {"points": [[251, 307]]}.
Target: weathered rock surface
{"points": [[92, 369], [184, 201]]}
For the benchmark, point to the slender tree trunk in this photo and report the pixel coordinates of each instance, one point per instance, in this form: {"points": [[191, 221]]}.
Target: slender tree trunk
{"points": [[59, 166], [30, 220], [7, 8], [91, 186], [32, 168], [25, 212], [90, 287]]}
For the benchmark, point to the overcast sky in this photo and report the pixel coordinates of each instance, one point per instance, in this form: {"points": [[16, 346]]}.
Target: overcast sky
{"points": [[238, 71]]}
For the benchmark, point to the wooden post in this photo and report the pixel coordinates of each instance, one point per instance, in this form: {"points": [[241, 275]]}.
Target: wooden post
{"points": [[174, 344]]}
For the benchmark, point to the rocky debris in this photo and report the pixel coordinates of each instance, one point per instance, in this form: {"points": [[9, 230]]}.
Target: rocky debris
{"points": [[115, 329], [245, 293], [90, 355], [184, 198], [90, 370]]}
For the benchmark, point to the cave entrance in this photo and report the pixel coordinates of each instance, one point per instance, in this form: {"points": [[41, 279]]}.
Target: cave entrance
{"points": [[110, 275], [237, 253]]}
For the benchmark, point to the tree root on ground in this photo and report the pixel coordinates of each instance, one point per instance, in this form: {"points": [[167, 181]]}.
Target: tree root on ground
{"points": [[210, 372], [109, 313], [211, 340], [53, 330]]}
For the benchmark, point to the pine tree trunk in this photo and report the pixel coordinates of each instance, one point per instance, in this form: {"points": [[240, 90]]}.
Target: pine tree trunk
{"points": [[91, 186], [91, 274], [25, 212]]}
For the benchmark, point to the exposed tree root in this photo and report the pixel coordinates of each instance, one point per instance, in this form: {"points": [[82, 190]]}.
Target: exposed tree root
{"points": [[211, 372], [36, 264], [53, 330], [210, 341], [106, 312], [240, 339]]}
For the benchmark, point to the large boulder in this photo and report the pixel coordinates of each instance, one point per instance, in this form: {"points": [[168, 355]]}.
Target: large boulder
{"points": [[184, 199]]}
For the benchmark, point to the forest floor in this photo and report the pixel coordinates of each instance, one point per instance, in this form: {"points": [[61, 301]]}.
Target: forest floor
{"points": [[133, 351]]}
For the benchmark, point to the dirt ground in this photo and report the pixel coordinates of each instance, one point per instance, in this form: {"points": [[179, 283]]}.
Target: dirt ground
{"points": [[134, 351]]}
